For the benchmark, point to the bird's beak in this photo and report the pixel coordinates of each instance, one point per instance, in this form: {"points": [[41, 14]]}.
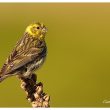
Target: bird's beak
{"points": [[44, 29]]}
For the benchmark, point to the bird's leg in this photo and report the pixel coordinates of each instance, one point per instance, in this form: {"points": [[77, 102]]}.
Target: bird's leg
{"points": [[27, 74]]}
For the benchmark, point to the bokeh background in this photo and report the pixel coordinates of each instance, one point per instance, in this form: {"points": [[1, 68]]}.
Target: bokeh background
{"points": [[77, 70]]}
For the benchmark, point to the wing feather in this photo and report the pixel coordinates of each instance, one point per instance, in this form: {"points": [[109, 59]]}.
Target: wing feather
{"points": [[19, 60]]}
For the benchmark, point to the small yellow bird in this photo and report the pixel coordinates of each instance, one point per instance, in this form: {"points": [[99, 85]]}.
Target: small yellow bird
{"points": [[28, 54]]}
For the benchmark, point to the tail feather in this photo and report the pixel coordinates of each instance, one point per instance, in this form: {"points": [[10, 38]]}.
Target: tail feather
{"points": [[2, 78]]}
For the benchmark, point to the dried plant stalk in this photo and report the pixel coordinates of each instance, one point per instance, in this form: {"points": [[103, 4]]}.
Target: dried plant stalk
{"points": [[34, 92]]}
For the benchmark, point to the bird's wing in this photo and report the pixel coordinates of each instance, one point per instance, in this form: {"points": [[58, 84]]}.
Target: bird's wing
{"points": [[16, 61]]}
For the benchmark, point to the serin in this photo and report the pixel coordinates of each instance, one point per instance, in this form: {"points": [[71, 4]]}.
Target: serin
{"points": [[28, 54]]}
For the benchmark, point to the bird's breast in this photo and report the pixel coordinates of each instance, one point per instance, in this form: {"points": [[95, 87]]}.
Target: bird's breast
{"points": [[39, 63]]}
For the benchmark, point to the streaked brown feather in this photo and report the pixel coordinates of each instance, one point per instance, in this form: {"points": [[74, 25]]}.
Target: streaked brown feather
{"points": [[24, 52]]}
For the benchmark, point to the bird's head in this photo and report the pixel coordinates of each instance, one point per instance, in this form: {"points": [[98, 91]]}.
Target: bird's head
{"points": [[36, 30]]}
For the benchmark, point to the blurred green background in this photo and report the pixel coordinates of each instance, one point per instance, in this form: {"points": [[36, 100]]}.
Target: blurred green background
{"points": [[77, 70]]}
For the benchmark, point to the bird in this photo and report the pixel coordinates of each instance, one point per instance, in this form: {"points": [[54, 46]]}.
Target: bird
{"points": [[28, 54]]}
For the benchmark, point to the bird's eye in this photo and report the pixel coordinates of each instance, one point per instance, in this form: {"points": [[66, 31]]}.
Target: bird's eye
{"points": [[38, 27]]}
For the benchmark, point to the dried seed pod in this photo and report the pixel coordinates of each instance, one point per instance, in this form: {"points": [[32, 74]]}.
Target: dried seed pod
{"points": [[46, 97], [23, 84], [45, 104], [36, 104], [29, 99], [36, 95], [39, 89], [40, 100]]}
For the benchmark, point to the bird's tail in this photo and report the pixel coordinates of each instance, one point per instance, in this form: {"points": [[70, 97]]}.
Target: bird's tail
{"points": [[2, 78]]}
